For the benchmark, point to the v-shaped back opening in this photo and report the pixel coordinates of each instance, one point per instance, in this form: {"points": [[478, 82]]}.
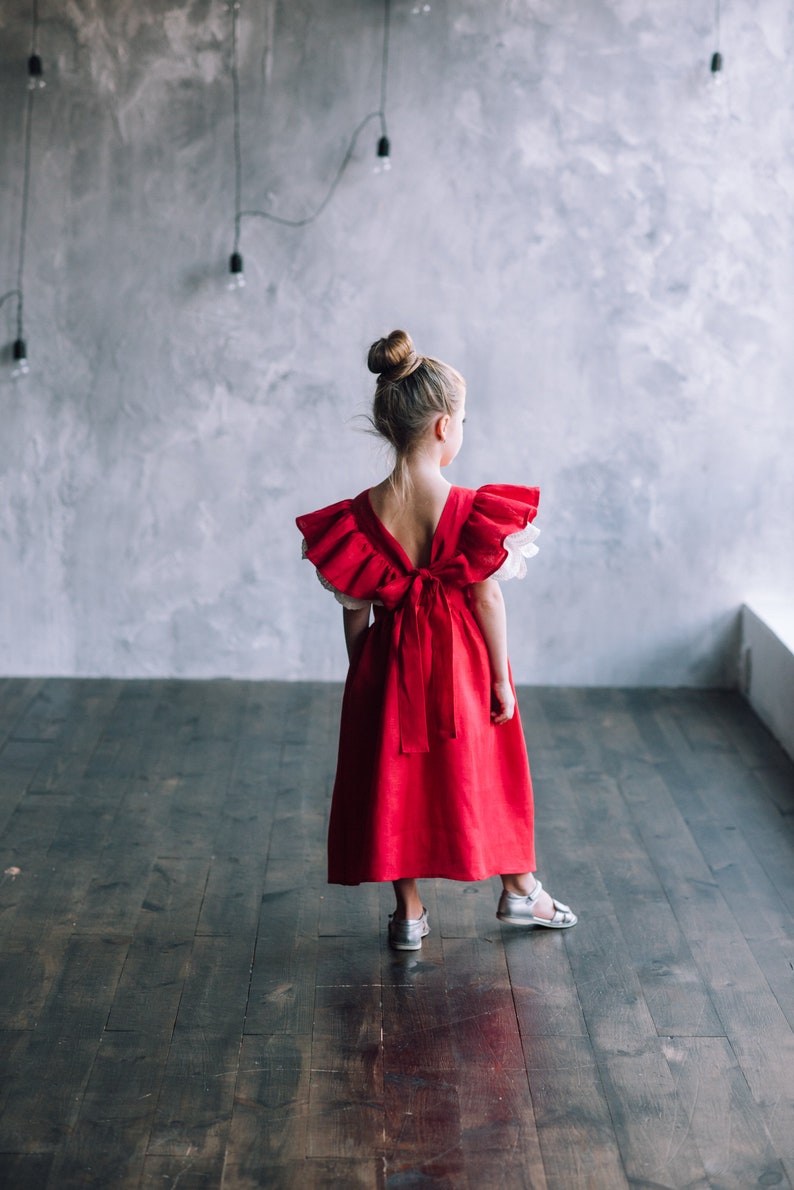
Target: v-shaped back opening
{"points": [[410, 563]]}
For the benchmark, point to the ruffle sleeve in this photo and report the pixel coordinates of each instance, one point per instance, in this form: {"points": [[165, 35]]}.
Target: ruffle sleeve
{"points": [[344, 558], [499, 536]]}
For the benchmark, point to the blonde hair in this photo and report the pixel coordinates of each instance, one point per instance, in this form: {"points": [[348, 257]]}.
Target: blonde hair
{"points": [[411, 392]]}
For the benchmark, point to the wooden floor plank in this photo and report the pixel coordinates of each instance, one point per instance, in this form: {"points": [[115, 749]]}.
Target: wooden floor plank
{"points": [[217, 984], [775, 960], [759, 1033], [422, 1102], [728, 1127], [575, 1126], [270, 1121], [466, 910], [194, 1108], [45, 1092], [27, 972], [84, 990], [308, 1174], [494, 1100], [82, 727], [143, 746], [183, 999], [158, 961], [656, 1143], [187, 1172], [106, 1144], [346, 1099], [676, 995], [16, 695], [53, 885], [729, 788], [25, 1171], [27, 836], [614, 1007], [47, 712], [131, 733], [480, 1007], [281, 998]]}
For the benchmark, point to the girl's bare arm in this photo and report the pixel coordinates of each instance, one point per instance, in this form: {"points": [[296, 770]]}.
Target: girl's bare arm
{"points": [[488, 606], [356, 622]]}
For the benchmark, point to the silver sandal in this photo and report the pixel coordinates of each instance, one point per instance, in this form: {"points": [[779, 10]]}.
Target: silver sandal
{"points": [[407, 933], [517, 910]]}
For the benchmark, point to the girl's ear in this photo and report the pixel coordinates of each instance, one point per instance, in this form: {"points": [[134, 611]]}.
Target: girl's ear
{"points": [[442, 425]]}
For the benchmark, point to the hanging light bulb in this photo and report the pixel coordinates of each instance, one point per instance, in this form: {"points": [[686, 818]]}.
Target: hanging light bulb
{"points": [[236, 274], [35, 73], [21, 366], [716, 57], [383, 155]]}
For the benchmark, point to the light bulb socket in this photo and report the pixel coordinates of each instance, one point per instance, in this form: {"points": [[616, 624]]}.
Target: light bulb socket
{"points": [[384, 148], [716, 62], [20, 351], [35, 68], [235, 263]]}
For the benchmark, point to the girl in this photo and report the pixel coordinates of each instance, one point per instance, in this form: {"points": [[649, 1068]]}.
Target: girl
{"points": [[432, 776]]}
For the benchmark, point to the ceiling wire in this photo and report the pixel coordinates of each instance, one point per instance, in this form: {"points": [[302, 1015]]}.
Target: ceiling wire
{"points": [[380, 115], [23, 228], [35, 82], [238, 157]]}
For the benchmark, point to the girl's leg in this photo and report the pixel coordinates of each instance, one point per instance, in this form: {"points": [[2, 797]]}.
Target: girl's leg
{"points": [[522, 885], [409, 903]]}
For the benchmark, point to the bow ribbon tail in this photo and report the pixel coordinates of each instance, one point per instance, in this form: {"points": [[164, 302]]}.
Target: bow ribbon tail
{"points": [[442, 681], [411, 685]]}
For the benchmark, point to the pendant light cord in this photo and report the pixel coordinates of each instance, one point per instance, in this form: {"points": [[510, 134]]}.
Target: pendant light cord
{"points": [[238, 156], [27, 133], [378, 115], [384, 68], [23, 228]]}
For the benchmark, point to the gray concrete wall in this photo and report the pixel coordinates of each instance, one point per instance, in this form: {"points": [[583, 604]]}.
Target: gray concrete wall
{"points": [[577, 217]]}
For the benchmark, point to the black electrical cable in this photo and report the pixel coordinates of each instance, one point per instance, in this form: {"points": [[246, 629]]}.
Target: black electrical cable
{"points": [[716, 57], [7, 296], [331, 189], [23, 229], [384, 68], [238, 156], [34, 78], [383, 143]]}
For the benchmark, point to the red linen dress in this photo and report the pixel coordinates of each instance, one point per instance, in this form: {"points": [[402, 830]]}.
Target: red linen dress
{"points": [[426, 784]]}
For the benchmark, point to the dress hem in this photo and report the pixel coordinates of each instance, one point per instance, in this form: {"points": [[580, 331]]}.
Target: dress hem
{"points": [[509, 869]]}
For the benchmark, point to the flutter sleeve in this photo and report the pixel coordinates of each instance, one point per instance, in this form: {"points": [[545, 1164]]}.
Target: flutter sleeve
{"points": [[499, 536], [345, 560]]}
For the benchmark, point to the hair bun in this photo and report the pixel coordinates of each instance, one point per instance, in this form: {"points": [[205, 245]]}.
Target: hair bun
{"points": [[393, 357]]}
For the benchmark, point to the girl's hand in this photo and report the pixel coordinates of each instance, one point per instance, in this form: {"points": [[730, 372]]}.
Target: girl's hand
{"points": [[505, 702]]}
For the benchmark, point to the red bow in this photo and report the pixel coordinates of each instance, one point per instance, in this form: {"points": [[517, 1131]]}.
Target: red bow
{"points": [[405, 596]]}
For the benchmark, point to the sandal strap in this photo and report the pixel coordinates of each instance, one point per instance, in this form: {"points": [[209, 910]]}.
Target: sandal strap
{"points": [[560, 911]]}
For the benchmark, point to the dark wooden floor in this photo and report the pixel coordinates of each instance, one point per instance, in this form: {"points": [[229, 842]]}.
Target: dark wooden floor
{"points": [[184, 1002]]}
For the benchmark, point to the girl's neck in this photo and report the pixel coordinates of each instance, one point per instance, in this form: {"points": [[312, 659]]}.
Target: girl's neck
{"points": [[424, 501], [424, 471]]}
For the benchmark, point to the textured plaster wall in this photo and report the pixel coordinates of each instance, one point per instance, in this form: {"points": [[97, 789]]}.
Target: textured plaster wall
{"points": [[597, 235]]}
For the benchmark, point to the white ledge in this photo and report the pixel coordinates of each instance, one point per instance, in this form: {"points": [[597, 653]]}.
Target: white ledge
{"points": [[766, 666]]}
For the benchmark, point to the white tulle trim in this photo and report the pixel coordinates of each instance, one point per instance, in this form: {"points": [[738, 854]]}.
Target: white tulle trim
{"points": [[352, 605], [519, 546]]}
